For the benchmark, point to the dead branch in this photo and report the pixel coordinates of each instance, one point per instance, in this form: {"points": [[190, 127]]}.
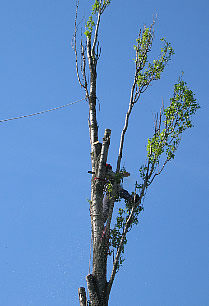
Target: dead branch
{"points": [[83, 69], [74, 45]]}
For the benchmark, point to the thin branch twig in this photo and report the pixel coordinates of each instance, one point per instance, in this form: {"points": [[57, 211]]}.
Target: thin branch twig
{"points": [[84, 70], [131, 104], [96, 34], [74, 46]]}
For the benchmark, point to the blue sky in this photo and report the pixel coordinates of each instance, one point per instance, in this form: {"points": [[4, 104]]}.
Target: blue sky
{"points": [[44, 220]]}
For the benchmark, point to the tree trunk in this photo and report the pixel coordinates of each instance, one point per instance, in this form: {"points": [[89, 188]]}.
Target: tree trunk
{"points": [[97, 281]]}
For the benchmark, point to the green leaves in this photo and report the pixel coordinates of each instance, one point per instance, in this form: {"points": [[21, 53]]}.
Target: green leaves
{"points": [[177, 118], [155, 146], [144, 44], [105, 4], [154, 69], [97, 7], [121, 220], [89, 27], [146, 72], [116, 235]]}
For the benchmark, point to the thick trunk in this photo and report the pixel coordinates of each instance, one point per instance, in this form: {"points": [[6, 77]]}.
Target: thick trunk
{"points": [[100, 241], [97, 282]]}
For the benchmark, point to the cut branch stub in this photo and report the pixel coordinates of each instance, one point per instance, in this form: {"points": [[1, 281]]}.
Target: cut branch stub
{"points": [[104, 153], [82, 296]]}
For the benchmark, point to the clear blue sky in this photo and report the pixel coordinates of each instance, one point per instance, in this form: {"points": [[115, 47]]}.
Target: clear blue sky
{"points": [[44, 219]]}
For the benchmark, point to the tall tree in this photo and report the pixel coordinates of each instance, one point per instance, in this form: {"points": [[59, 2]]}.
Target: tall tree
{"points": [[106, 184]]}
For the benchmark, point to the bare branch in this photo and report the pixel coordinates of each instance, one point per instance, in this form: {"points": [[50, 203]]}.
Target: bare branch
{"points": [[74, 45], [163, 166], [96, 34], [84, 70], [131, 104]]}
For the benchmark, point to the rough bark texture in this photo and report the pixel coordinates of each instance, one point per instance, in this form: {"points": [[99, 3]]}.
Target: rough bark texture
{"points": [[99, 243], [97, 280]]}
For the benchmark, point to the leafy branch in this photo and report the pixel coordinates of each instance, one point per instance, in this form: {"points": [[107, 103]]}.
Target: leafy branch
{"points": [[154, 70], [97, 7], [176, 118], [117, 232], [145, 73]]}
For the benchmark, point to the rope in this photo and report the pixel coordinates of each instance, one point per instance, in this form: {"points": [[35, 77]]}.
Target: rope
{"points": [[42, 112]]}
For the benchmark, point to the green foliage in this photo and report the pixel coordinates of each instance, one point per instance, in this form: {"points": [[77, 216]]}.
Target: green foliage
{"points": [[117, 231], [153, 70], [177, 118], [143, 171], [121, 219], [95, 7], [120, 175], [144, 44], [109, 187], [98, 6], [116, 235], [89, 27], [105, 4]]}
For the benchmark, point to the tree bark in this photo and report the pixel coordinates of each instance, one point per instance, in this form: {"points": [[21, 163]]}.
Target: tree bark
{"points": [[97, 282], [82, 296]]}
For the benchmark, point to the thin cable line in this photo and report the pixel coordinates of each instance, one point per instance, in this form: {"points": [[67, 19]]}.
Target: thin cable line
{"points": [[42, 112]]}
